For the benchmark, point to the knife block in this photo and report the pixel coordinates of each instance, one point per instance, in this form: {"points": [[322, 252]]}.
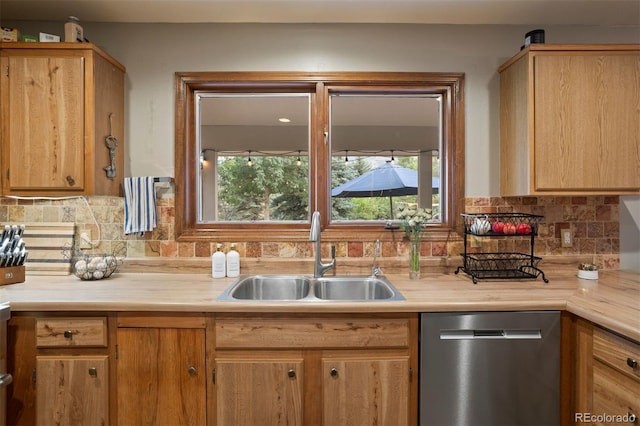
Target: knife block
{"points": [[12, 275]]}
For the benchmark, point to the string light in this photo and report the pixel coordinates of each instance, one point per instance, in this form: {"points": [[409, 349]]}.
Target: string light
{"points": [[299, 161], [393, 159], [346, 156], [249, 162]]}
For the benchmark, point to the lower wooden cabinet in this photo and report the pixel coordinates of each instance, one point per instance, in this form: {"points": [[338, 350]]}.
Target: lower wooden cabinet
{"points": [[72, 390], [265, 390], [607, 376], [61, 369], [316, 370], [161, 370], [365, 389]]}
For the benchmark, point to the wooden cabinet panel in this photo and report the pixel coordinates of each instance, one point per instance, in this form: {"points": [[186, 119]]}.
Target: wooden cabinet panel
{"points": [[349, 369], [260, 391], [21, 363], [606, 388], [568, 120], [366, 391], [584, 139], [63, 332], [72, 390], [311, 333], [45, 90], [614, 394], [45, 124], [59, 103], [619, 353], [161, 376]]}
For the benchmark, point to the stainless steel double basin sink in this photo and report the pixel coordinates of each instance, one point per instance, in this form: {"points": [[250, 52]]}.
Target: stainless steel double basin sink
{"points": [[302, 288]]}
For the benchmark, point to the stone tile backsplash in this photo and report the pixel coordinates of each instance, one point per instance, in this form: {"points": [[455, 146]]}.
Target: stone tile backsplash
{"points": [[593, 221]]}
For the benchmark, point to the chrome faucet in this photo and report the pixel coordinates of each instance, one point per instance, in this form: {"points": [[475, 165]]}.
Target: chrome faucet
{"points": [[314, 235], [375, 269]]}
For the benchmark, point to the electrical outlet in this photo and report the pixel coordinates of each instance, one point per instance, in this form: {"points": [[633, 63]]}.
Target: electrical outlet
{"points": [[85, 239], [566, 237]]}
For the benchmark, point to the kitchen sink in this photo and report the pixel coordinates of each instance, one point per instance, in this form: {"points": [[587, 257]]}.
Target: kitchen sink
{"points": [[308, 289], [270, 287], [349, 288]]}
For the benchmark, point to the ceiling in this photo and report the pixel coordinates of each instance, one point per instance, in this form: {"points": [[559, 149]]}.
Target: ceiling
{"points": [[509, 12]]}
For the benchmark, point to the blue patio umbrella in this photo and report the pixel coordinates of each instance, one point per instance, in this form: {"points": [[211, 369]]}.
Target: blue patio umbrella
{"points": [[388, 180]]}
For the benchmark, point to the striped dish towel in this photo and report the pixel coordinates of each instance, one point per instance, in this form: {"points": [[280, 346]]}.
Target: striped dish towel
{"points": [[139, 205]]}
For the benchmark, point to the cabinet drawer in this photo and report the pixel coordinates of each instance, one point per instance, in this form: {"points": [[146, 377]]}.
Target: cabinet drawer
{"points": [[614, 394], [619, 353], [67, 332], [311, 333]]}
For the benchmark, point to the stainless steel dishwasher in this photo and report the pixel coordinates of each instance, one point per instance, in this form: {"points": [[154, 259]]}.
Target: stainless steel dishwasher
{"points": [[490, 368]]}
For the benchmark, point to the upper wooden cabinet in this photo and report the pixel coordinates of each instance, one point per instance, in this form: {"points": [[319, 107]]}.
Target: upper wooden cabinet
{"points": [[62, 104], [570, 120]]}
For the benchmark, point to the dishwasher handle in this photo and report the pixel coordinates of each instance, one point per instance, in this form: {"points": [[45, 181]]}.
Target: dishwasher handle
{"points": [[470, 334]]}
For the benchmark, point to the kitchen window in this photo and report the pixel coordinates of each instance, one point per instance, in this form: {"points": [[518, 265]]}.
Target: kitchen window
{"points": [[258, 152]]}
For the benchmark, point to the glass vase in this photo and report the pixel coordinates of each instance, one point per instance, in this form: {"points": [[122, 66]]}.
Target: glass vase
{"points": [[414, 257]]}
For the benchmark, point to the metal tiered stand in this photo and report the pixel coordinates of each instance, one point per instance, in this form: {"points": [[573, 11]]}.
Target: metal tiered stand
{"points": [[501, 265]]}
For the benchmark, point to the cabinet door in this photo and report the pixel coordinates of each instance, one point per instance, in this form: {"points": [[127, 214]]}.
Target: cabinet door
{"points": [[43, 123], [365, 391], [614, 394], [586, 122], [72, 390], [161, 376], [259, 391]]}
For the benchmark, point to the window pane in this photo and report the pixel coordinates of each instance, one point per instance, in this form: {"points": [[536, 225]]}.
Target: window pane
{"points": [[385, 152], [255, 164]]}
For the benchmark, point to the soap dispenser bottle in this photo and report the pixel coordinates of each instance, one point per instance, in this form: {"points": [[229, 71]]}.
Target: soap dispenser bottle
{"points": [[218, 263], [233, 262]]}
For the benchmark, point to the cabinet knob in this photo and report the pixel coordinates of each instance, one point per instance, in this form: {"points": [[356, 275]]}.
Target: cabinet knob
{"points": [[292, 373], [68, 334], [632, 362], [71, 181], [333, 372], [93, 372], [192, 371]]}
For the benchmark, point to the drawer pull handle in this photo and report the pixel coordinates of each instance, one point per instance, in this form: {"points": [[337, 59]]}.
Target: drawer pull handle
{"points": [[93, 372], [632, 362], [292, 373], [68, 334], [333, 372]]}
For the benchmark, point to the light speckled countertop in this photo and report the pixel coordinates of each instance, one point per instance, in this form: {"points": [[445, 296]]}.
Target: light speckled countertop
{"points": [[613, 301]]}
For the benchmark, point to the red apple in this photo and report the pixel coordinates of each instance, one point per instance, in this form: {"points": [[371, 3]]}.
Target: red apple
{"points": [[509, 228], [497, 227], [524, 229]]}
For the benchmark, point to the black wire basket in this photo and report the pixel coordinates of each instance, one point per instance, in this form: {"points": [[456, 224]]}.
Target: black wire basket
{"points": [[499, 224], [94, 266]]}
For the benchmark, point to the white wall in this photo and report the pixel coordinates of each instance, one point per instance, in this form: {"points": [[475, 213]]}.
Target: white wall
{"points": [[152, 54]]}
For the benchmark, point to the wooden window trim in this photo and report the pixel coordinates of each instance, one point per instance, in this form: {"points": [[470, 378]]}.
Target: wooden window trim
{"points": [[187, 84]]}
